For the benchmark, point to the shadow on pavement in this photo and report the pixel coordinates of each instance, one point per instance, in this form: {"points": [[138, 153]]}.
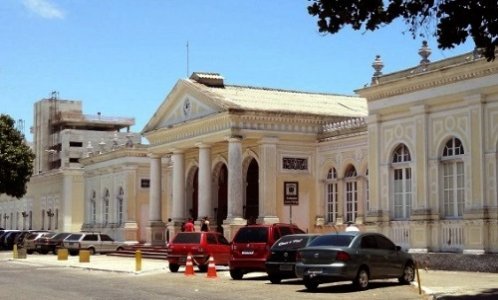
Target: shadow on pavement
{"points": [[347, 287], [488, 294]]}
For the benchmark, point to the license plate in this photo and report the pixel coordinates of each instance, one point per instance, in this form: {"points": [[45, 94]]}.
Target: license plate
{"points": [[285, 268], [248, 252], [315, 271]]}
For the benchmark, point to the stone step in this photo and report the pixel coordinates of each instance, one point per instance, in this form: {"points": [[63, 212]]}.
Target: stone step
{"points": [[154, 252]]}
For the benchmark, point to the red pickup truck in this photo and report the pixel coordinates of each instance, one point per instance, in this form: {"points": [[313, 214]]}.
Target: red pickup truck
{"points": [[200, 245]]}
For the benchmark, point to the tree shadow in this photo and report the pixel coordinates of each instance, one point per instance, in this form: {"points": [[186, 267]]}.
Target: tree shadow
{"points": [[487, 294]]}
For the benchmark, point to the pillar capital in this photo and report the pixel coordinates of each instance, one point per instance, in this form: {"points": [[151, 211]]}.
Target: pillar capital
{"points": [[234, 138], [154, 155], [202, 145]]}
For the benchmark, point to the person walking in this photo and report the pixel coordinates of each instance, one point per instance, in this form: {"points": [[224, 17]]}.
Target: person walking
{"points": [[205, 224], [189, 226]]}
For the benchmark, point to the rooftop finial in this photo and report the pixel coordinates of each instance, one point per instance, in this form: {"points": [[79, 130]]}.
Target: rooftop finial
{"points": [[424, 52], [377, 65]]}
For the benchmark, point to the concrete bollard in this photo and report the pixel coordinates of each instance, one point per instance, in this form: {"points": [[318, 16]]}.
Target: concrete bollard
{"points": [[138, 261], [14, 251], [21, 253], [62, 254], [84, 256]]}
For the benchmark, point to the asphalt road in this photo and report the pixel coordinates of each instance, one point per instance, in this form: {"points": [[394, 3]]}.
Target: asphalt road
{"points": [[25, 281]]}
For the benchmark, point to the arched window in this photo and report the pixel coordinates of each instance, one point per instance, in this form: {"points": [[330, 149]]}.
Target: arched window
{"points": [[119, 200], [350, 178], [106, 206], [453, 179], [331, 196], [402, 182]]}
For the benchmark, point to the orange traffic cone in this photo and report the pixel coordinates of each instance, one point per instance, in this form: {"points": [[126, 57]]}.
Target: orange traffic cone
{"points": [[189, 266], [211, 273]]}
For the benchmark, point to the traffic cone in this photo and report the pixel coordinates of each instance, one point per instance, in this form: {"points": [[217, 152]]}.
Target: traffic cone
{"points": [[211, 273], [189, 266]]}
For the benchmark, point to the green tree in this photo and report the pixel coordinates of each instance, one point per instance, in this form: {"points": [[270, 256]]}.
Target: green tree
{"points": [[454, 20], [16, 159]]}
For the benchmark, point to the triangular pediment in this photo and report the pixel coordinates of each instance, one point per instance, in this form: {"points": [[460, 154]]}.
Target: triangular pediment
{"points": [[184, 103]]}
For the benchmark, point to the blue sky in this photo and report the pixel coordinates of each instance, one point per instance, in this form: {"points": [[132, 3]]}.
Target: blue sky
{"points": [[122, 57]]}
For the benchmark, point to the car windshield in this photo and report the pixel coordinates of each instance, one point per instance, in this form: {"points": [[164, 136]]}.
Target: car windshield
{"points": [[252, 235], [340, 240], [187, 238], [290, 242]]}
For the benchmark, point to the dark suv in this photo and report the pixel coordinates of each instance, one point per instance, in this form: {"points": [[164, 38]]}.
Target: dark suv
{"points": [[251, 246]]}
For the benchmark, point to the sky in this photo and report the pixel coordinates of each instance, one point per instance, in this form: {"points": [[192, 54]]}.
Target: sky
{"points": [[122, 57]]}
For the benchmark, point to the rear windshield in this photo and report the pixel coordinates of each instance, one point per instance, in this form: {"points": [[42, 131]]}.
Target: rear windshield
{"points": [[252, 235], [290, 242], [72, 237], [187, 238], [332, 240]]}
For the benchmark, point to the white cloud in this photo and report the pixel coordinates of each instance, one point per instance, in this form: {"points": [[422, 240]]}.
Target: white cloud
{"points": [[44, 8]]}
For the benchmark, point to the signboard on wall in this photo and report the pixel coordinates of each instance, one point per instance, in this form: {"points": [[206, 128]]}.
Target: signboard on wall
{"points": [[291, 193]]}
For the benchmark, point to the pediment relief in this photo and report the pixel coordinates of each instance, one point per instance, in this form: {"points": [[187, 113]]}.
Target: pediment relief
{"points": [[185, 108]]}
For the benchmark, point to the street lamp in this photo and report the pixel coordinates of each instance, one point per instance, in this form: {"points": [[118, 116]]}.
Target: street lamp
{"points": [[24, 216], [50, 214]]}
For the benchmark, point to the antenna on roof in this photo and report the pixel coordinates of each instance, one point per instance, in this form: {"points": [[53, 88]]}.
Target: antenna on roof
{"points": [[187, 61]]}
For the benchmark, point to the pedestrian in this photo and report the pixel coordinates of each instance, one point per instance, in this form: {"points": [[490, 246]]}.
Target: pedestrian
{"points": [[189, 226], [205, 224]]}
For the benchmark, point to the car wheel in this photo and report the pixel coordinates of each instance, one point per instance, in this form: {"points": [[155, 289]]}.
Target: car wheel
{"points": [[29, 251], [274, 278], [236, 274], [73, 252], [174, 268], [43, 251], [91, 250], [203, 268], [361, 280], [311, 283], [408, 274]]}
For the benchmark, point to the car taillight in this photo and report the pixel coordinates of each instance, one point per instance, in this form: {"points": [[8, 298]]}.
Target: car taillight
{"points": [[342, 256]]}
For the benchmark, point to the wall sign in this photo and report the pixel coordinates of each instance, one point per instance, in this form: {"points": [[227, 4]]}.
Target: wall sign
{"points": [[291, 193]]}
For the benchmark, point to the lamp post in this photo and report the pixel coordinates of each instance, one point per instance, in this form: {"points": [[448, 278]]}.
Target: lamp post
{"points": [[24, 216], [50, 214]]}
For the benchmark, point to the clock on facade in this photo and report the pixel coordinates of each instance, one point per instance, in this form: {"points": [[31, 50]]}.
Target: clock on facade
{"points": [[187, 107]]}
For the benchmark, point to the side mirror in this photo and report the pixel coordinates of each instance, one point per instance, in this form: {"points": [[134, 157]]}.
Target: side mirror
{"points": [[397, 248]]}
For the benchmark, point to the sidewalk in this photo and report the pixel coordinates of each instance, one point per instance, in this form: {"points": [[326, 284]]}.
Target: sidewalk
{"points": [[97, 262], [436, 284], [458, 285]]}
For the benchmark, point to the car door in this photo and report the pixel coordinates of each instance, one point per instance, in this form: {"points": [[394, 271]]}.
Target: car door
{"points": [[371, 256], [107, 244], [392, 262]]}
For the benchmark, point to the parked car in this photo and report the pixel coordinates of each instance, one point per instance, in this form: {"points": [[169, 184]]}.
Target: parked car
{"points": [[92, 241], [281, 262], [251, 246], [29, 240], [200, 245], [9, 238], [354, 256], [3, 234], [50, 243]]}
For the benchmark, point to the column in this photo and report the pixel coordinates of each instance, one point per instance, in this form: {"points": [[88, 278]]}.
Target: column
{"points": [[268, 180], [234, 178], [178, 205], [205, 182], [155, 188], [155, 228]]}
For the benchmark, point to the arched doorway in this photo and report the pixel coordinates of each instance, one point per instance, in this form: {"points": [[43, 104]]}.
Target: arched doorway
{"points": [[251, 207], [222, 209], [193, 194]]}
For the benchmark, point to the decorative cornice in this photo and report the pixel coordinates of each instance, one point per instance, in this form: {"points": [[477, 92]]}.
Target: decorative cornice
{"points": [[437, 74]]}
